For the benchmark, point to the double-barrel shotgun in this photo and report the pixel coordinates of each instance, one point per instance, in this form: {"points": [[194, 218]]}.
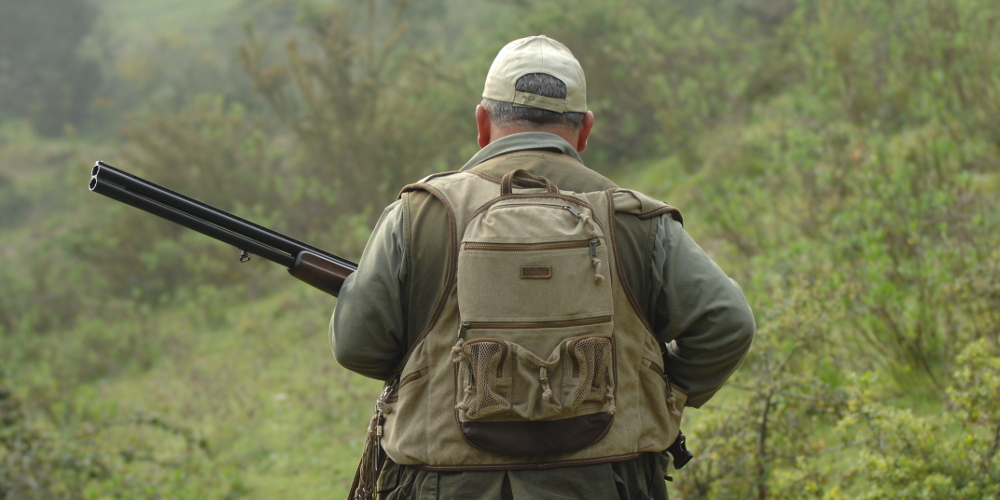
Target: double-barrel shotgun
{"points": [[316, 267]]}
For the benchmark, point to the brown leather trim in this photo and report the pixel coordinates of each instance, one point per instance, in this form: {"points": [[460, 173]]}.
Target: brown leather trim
{"points": [[449, 282], [526, 178], [675, 213], [538, 438], [655, 368], [417, 375], [618, 263], [534, 466]]}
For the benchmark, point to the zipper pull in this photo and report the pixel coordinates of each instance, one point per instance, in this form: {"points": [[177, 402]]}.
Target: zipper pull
{"points": [[594, 261], [573, 211], [461, 329], [671, 399], [585, 219], [380, 408]]}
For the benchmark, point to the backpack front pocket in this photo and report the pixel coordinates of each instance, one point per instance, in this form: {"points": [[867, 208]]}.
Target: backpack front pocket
{"points": [[535, 389]]}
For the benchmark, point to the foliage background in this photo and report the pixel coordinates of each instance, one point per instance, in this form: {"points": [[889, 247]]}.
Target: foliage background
{"points": [[841, 160]]}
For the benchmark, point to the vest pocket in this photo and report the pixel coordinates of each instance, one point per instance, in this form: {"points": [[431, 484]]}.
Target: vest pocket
{"points": [[590, 357], [484, 381], [657, 387], [535, 389]]}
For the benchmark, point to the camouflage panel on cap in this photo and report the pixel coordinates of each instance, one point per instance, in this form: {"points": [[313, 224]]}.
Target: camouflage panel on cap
{"points": [[537, 54]]}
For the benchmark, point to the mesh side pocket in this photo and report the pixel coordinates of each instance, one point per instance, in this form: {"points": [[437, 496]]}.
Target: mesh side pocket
{"points": [[591, 357], [485, 359]]}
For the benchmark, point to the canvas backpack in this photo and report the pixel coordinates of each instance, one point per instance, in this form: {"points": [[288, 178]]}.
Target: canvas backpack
{"points": [[533, 355]]}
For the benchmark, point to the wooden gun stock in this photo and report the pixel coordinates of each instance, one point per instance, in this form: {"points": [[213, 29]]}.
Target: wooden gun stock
{"points": [[320, 272]]}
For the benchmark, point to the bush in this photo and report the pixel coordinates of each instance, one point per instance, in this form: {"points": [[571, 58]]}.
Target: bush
{"points": [[42, 75], [952, 455]]}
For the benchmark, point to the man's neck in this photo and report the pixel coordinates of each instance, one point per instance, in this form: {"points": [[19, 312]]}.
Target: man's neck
{"points": [[489, 132], [569, 135]]}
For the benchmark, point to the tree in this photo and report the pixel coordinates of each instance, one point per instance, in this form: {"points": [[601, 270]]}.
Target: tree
{"points": [[42, 75]]}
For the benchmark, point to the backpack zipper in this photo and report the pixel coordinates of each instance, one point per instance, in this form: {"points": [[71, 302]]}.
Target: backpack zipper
{"points": [[518, 325], [562, 197], [525, 247]]}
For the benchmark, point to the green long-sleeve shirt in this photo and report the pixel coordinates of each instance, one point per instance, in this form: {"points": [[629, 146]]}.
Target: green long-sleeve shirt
{"points": [[689, 301]]}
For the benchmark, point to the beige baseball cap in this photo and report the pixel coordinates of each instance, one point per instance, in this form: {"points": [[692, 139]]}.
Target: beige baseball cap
{"points": [[537, 54]]}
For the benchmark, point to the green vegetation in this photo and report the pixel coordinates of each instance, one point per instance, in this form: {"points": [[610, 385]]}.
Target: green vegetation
{"points": [[40, 63], [841, 160]]}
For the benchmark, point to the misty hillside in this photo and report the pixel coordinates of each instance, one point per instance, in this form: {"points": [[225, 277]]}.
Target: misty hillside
{"points": [[840, 160]]}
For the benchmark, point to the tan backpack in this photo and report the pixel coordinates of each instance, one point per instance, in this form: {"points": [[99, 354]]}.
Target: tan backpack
{"points": [[534, 351]]}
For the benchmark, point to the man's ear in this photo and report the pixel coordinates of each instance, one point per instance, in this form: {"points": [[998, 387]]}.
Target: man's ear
{"points": [[483, 126], [588, 123]]}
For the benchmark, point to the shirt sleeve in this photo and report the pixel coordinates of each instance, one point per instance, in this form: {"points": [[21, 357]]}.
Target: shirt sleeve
{"points": [[701, 314], [368, 328]]}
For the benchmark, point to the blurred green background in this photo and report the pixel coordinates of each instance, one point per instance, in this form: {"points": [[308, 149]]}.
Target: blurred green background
{"points": [[841, 160]]}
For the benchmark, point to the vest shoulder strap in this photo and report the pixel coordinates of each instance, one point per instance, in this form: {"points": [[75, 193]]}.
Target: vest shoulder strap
{"points": [[643, 206], [430, 179]]}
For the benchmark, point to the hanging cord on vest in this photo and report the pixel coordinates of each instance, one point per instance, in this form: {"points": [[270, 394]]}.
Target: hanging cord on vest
{"points": [[543, 373], [368, 468], [457, 353], [457, 356], [372, 456], [543, 377], [586, 220], [470, 395], [595, 240], [610, 396], [594, 261], [671, 398]]}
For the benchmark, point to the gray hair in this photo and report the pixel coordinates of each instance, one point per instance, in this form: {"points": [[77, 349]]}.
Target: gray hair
{"points": [[505, 114]]}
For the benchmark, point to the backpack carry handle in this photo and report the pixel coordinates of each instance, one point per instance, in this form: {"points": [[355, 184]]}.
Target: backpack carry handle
{"points": [[525, 179]]}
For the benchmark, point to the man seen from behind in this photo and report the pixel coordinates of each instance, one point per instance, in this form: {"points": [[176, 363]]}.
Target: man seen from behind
{"points": [[539, 329]]}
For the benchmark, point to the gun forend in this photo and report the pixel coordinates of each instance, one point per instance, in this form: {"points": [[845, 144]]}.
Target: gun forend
{"points": [[320, 272]]}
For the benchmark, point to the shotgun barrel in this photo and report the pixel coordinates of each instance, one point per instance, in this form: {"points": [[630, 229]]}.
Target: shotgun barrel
{"points": [[312, 265]]}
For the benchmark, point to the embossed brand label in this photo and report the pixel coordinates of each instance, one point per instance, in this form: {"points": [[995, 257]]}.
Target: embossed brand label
{"points": [[536, 272]]}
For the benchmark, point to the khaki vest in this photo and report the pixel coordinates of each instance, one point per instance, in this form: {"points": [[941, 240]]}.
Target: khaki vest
{"points": [[422, 422]]}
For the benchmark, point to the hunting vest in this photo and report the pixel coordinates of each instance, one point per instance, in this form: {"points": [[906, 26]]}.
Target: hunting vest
{"points": [[537, 354]]}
